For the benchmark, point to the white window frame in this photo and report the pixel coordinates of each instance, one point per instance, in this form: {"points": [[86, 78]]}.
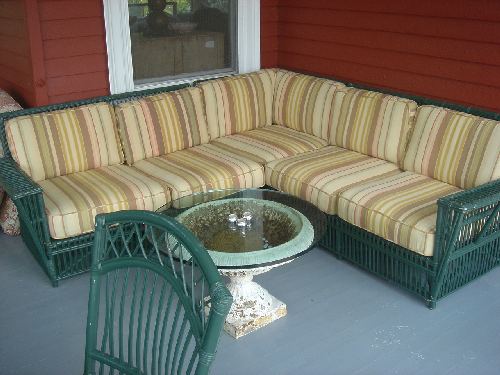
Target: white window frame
{"points": [[119, 50]]}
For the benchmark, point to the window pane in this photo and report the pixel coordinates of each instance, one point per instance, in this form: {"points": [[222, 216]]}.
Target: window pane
{"points": [[183, 38]]}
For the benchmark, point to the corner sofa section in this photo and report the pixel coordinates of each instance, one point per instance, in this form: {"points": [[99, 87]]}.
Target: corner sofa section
{"points": [[412, 193]]}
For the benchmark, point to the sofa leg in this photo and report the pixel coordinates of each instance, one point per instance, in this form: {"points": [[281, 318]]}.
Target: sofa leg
{"points": [[431, 304], [338, 256]]}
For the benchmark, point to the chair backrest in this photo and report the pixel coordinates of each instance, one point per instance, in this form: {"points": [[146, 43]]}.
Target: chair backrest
{"points": [[157, 303]]}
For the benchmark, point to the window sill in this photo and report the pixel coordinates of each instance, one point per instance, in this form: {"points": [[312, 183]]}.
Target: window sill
{"points": [[181, 80]]}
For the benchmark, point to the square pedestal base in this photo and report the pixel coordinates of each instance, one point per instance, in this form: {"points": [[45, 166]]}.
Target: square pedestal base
{"points": [[240, 327]]}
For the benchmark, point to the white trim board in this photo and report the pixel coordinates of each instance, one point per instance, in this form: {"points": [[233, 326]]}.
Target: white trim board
{"points": [[119, 50]]}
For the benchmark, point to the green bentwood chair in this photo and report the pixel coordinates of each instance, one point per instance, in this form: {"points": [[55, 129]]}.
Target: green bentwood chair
{"points": [[148, 313]]}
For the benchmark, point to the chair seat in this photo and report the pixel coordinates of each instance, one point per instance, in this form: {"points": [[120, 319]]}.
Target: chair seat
{"points": [[269, 143], [73, 201], [203, 168], [400, 208], [319, 176]]}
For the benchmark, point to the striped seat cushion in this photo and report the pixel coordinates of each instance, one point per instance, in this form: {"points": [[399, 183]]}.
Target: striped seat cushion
{"points": [[319, 176], [304, 103], [240, 103], [203, 168], [454, 147], [400, 208], [58, 143], [159, 124], [372, 123], [269, 143], [73, 201]]}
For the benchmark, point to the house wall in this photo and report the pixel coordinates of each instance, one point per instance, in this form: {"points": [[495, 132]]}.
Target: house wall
{"points": [[448, 50], [269, 33], [16, 75], [74, 47], [54, 50]]}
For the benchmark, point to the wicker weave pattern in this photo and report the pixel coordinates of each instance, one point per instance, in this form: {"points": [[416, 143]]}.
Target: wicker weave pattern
{"points": [[392, 262], [147, 304], [60, 259], [467, 240]]}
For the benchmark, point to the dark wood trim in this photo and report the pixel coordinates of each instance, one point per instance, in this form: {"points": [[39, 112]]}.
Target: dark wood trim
{"points": [[36, 51]]}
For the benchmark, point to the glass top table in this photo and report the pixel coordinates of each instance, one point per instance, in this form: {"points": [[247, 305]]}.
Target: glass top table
{"points": [[248, 228], [248, 232]]}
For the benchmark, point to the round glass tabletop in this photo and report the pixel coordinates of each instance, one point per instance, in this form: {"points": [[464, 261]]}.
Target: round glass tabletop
{"points": [[247, 228]]}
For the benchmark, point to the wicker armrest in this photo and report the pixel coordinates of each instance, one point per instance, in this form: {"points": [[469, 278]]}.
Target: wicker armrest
{"points": [[15, 182], [475, 198], [467, 232], [467, 221]]}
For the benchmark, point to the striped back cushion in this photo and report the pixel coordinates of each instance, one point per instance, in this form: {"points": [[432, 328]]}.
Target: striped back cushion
{"points": [[58, 143], [372, 123], [304, 103], [160, 124], [240, 103], [454, 147]]}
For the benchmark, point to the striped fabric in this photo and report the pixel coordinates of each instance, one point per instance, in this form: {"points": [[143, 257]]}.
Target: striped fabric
{"points": [[240, 103], [372, 123], [73, 201], [454, 147], [160, 124], [304, 103], [202, 168], [269, 143], [58, 143], [400, 208], [319, 176]]}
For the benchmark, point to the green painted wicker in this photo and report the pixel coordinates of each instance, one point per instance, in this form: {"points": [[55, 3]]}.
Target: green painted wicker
{"points": [[467, 245], [463, 250], [148, 311], [60, 259]]}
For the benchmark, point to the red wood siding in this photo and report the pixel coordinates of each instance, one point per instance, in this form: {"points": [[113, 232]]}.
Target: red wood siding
{"points": [[74, 45], [16, 75], [54, 50], [447, 50], [269, 33]]}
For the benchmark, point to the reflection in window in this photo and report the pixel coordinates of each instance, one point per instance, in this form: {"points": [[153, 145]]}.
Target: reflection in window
{"points": [[183, 38]]}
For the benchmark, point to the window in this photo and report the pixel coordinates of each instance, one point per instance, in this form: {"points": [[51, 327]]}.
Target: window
{"points": [[158, 42]]}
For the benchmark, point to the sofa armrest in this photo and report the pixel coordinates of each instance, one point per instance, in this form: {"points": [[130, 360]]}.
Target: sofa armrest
{"points": [[467, 229], [28, 198], [473, 199], [468, 219], [15, 182]]}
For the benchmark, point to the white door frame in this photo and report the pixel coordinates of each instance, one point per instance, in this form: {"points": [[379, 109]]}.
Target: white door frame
{"points": [[120, 56]]}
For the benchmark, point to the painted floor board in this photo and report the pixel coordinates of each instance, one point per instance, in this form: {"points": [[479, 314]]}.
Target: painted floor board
{"points": [[341, 320]]}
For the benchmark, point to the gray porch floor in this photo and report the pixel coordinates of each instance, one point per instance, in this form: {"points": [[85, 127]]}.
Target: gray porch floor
{"points": [[340, 320]]}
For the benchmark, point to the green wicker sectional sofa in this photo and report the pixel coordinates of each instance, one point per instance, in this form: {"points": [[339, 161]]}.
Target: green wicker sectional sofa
{"points": [[412, 192]]}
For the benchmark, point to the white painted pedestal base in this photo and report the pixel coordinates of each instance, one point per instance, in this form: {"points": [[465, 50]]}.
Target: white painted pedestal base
{"points": [[253, 307]]}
